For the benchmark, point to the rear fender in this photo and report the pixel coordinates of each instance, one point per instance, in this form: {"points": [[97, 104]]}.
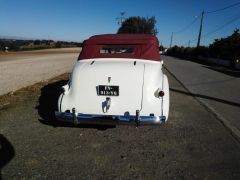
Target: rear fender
{"points": [[166, 97]]}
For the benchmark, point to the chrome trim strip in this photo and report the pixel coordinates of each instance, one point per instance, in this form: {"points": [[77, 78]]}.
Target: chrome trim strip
{"points": [[108, 119]]}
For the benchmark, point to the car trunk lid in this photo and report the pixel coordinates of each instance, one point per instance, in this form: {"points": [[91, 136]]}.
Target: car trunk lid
{"points": [[96, 84]]}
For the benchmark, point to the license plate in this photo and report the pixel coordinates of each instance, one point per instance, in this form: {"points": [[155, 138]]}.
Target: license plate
{"points": [[105, 90]]}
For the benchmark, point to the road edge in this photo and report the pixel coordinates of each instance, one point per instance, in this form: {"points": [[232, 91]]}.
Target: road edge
{"points": [[233, 131]]}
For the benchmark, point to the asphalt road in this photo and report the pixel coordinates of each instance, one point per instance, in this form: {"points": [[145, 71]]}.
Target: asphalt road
{"points": [[193, 144], [216, 88], [22, 69]]}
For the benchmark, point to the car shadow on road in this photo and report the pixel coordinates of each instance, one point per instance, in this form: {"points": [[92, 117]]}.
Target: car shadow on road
{"points": [[7, 152], [48, 105], [206, 97]]}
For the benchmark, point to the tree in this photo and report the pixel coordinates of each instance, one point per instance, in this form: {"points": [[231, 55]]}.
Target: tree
{"points": [[138, 25], [58, 44], [226, 48], [37, 42]]}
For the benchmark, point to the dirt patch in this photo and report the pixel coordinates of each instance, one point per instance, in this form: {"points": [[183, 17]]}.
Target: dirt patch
{"points": [[29, 90], [24, 54]]}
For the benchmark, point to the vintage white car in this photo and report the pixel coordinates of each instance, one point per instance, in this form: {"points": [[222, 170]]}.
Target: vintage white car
{"points": [[118, 79]]}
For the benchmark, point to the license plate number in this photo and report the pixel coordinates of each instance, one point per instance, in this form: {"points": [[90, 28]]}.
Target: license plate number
{"points": [[105, 90]]}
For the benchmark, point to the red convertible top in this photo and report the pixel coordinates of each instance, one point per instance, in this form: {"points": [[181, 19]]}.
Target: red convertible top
{"points": [[137, 46]]}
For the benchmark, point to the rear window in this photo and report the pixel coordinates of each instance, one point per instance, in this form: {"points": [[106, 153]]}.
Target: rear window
{"points": [[117, 50]]}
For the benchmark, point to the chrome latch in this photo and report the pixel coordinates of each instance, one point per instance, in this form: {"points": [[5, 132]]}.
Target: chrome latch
{"points": [[108, 103]]}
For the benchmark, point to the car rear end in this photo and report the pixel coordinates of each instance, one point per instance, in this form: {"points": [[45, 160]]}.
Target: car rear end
{"points": [[115, 91]]}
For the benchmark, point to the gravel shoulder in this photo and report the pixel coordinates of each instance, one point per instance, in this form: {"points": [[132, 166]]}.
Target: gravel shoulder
{"points": [[22, 69], [9, 56], [191, 145]]}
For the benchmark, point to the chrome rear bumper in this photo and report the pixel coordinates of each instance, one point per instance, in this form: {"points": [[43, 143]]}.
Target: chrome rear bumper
{"points": [[79, 118]]}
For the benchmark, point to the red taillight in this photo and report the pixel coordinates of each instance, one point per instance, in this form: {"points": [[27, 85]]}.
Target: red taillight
{"points": [[161, 93]]}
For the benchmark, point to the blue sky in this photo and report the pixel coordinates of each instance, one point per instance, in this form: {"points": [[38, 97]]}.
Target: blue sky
{"points": [[76, 20]]}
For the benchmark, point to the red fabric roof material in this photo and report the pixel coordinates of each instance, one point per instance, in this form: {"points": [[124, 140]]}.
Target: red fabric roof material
{"points": [[144, 46]]}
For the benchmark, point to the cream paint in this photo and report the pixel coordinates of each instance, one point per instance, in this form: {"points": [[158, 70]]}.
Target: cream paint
{"points": [[137, 83]]}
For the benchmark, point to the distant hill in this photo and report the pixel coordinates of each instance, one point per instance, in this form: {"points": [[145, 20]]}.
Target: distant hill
{"points": [[11, 43]]}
